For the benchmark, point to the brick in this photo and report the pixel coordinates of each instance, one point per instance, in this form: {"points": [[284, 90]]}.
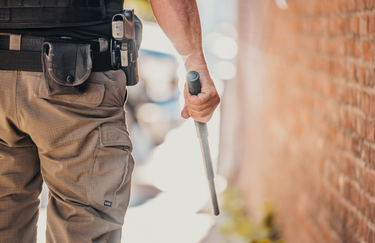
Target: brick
{"points": [[360, 177], [324, 65], [324, 232], [337, 26], [360, 75], [342, 5], [365, 107], [370, 183], [369, 4], [370, 211], [367, 51], [372, 158], [371, 24], [360, 5], [362, 25], [332, 177], [356, 147], [357, 97], [365, 154], [351, 5], [370, 236], [338, 47], [353, 97], [372, 105], [354, 24], [349, 170], [369, 76], [350, 47], [362, 205], [352, 220], [335, 6], [340, 97], [317, 25], [370, 130], [336, 70], [351, 72], [358, 48], [360, 125], [349, 122]]}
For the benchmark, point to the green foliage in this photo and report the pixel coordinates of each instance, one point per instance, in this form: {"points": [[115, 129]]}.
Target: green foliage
{"points": [[240, 228], [142, 9]]}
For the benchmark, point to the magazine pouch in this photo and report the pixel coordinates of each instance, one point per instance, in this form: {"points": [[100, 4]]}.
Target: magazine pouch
{"points": [[66, 67]]}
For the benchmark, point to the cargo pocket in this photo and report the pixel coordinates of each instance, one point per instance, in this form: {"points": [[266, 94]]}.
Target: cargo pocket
{"points": [[112, 168]]}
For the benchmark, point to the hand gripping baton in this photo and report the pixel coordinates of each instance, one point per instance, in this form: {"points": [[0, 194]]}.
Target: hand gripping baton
{"points": [[194, 86]]}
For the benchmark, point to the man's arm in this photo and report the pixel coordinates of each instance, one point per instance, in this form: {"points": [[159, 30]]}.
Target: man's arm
{"points": [[179, 19]]}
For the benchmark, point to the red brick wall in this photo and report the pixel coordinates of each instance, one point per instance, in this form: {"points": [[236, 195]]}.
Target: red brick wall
{"points": [[308, 116]]}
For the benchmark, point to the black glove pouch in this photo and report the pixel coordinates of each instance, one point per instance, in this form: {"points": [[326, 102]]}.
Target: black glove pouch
{"points": [[66, 67]]}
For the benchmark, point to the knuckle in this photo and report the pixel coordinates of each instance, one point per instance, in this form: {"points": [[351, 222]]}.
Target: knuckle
{"points": [[193, 100], [212, 93], [200, 102]]}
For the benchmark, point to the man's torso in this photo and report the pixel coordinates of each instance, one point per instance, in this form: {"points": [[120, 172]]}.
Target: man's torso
{"points": [[81, 19]]}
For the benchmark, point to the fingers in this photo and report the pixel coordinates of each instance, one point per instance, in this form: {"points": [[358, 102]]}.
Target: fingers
{"points": [[204, 112], [202, 106]]}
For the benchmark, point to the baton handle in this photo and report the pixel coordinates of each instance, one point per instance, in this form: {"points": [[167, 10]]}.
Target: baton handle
{"points": [[194, 86], [193, 82]]}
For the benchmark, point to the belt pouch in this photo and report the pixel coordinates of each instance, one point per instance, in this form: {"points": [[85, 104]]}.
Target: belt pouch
{"points": [[66, 67]]}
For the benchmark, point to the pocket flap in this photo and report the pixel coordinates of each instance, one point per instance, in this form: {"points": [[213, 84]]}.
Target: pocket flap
{"points": [[92, 97], [68, 64], [114, 135]]}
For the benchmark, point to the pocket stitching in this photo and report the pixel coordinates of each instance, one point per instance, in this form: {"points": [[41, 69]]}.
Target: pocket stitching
{"points": [[123, 177]]}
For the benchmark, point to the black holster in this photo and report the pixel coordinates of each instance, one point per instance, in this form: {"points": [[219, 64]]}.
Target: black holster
{"points": [[127, 38]]}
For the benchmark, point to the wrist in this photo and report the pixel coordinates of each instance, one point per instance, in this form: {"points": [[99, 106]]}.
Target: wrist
{"points": [[195, 62]]}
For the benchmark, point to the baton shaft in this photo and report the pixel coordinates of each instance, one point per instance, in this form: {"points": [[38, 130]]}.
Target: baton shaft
{"points": [[202, 133], [215, 205]]}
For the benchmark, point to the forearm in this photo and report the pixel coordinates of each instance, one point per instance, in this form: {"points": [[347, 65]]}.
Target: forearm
{"points": [[179, 19]]}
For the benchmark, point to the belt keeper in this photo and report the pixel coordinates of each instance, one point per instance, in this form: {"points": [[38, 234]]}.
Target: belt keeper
{"points": [[15, 42]]}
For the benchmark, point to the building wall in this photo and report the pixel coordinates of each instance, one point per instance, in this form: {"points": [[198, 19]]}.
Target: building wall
{"points": [[307, 102]]}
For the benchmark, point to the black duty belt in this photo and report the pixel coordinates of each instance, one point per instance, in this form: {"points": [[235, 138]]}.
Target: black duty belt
{"points": [[29, 57]]}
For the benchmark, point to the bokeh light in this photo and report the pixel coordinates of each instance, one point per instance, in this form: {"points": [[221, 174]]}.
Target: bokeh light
{"points": [[282, 4], [225, 69], [222, 46]]}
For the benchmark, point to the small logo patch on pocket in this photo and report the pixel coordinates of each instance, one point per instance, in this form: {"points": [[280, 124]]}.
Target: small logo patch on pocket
{"points": [[107, 203]]}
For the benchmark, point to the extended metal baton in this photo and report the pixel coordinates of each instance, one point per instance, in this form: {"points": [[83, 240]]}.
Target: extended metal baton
{"points": [[194, 86]]}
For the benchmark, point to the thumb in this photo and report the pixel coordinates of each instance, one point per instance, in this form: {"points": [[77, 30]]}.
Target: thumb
{"points": [[185, 113]]}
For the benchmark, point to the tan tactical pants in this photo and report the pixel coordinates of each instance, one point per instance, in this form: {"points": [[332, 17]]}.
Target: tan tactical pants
{"points": [[78, 144]]}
